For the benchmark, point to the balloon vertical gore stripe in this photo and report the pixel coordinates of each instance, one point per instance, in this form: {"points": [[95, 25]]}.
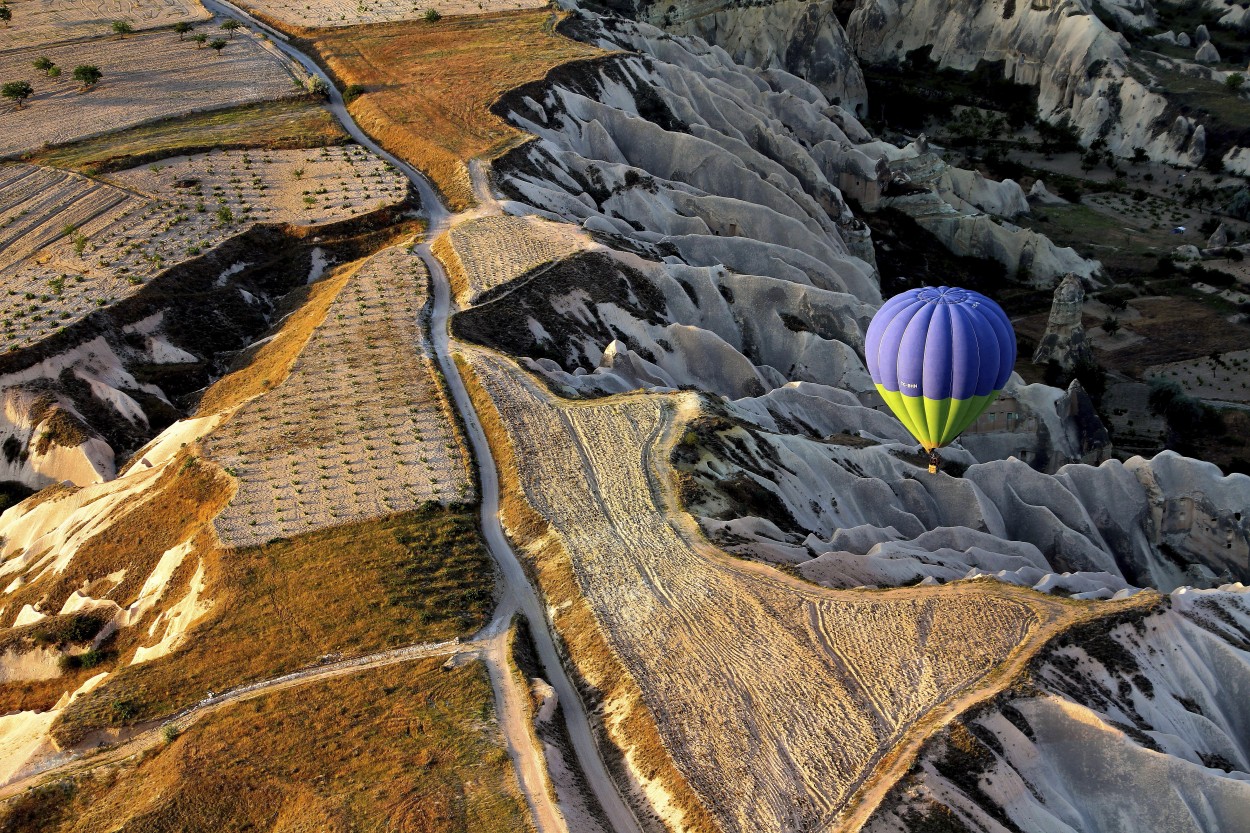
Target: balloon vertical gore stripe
{"points": [[939, 356]]}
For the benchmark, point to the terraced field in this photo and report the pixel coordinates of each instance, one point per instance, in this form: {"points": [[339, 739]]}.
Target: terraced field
{"points": [[39, 22], [70, 244], [305, 15], [359, 429], [491, 251], [774, 699], [147, 76]]}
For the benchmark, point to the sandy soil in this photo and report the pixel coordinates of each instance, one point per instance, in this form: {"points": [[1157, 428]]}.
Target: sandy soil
{"points": [[307, 14], [359, 429], [130, 231], [146, 77], [495, 250], [775, 699], [42, 22]]}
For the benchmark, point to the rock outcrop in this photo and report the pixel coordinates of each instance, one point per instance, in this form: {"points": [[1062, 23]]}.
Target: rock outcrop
{"points": [[1079, 66], [1207, 54], [1064, 341]]}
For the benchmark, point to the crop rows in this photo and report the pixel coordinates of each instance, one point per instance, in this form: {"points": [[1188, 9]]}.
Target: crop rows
{"points": [[70, 244], [359, 429], [774, 699], [146, 77], [495, 250]]}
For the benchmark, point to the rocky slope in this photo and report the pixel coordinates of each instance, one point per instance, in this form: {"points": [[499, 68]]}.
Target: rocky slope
{"points": [[1119, 730], [1082, 70]]}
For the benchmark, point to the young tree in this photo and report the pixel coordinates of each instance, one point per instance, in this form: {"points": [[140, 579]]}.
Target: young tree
{"points": [[121, 28], [44, 64], [231, 25], [17, 91], [182, 28], [200, 39], [1235, 81], [88, 75], [1110, 325], [217, 44], [6, 14]]}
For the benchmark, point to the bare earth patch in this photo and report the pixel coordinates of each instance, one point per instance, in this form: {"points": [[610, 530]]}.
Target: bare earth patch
{"points": [[146, 77], [774, 699], [359, 429], [492, 251], [304, 14], [40, 22], [70, 244]]}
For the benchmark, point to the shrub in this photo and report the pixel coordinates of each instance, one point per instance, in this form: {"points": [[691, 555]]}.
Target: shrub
{"points": [[353, 92], [432, 16], [1235, 81], [121, 28]]}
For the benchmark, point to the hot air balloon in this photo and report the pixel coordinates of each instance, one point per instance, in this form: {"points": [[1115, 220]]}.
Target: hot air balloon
{"points": [[939, 356]]}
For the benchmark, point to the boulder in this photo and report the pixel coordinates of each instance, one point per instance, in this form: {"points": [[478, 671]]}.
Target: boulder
{"points": [[1165, 37], [1207, 54], [1183, 40], [1041, 195], [1219, 239], [1202, 35]]}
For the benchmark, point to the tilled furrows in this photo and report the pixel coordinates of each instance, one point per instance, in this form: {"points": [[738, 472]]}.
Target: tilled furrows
{"points": [[774, 700]]}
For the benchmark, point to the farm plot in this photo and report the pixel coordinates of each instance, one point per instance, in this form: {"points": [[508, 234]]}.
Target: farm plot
{"points": [[41, 22], [70, 244], [774, 699], [491, 251], [146, 77], [303, 14], [1224, 377], [360, 428], [429, 88]]}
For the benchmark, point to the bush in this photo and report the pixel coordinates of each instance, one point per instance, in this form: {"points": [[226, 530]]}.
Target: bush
{"points": [[353, 92], [1235, 81], [432, 16]]}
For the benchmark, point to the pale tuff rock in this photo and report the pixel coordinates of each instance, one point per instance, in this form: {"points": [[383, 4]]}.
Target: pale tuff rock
{"points": [[1201, 35], [803, 38], [1077, 64], [1218, 238], [1183, 40], [1207, 54], [1116, 733], [1064, 341], [1041, 195]]}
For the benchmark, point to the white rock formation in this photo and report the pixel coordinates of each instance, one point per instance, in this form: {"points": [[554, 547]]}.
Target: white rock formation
{"points": [[1078, 65], [1064, 339], [1207, 54]]}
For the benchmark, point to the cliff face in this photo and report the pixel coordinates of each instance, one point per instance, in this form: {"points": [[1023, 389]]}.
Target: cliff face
{"points": [[1080, 68]]}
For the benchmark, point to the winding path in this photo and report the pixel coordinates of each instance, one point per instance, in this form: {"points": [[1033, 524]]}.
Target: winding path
{"points": [[517, 594]]}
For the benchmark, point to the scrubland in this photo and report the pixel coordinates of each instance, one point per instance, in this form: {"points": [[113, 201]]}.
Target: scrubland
{"points": [[436, 761]]}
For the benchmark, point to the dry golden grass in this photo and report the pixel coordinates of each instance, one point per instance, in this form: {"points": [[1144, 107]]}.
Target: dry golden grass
{"points": [[596, 669], [428, 87], [355, 589], [403, 748]]}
